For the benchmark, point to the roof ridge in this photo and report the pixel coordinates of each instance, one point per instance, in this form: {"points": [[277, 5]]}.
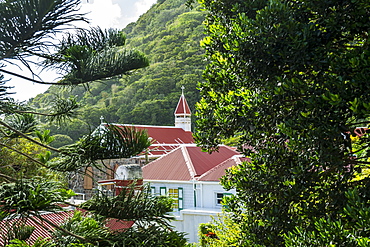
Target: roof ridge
{"points": [[235, 157], [188, 162], [230, 148], [147, 126]]}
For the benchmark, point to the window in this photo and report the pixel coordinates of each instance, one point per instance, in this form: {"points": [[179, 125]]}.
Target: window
{"points": [[220, 196], [152, 190], [174, 194], [177, 196], [162, 191]]}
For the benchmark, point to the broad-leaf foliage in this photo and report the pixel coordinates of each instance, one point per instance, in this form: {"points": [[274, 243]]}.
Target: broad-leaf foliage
{"points": [[28, 31], [290, 79]]}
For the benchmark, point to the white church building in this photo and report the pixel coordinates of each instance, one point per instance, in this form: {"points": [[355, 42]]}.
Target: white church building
{"points": [[178, 168]]}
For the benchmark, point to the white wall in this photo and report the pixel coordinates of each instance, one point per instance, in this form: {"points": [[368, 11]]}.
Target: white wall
{"points": [[205, 192], [188, 192], [188, 221]]}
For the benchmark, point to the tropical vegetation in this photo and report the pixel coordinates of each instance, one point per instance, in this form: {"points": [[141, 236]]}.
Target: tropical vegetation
{"points": [[168, 34], [290, 80], [31, 169]]}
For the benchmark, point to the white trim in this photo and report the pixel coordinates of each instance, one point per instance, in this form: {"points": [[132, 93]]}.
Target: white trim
{"points": [[188, 162], [106, 183], [177, 144], [182, 181], [147, 126], [179, 215]]}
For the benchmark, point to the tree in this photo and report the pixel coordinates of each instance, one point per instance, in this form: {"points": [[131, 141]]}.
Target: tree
{"points": [[169, 35], [82, 56], [148, 212], [290, 79]]}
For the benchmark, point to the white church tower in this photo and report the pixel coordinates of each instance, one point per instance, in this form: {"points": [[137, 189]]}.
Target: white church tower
{"points": [[183, 113]]}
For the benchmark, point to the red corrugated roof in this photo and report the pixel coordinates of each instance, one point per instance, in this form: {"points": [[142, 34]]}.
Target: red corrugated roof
{"points": [[168, 167], [40, 231], [44, 229], [165, 138], [182, 107], [203, 161], [118, 225], [167, 134], [218, 171], [187, 162]]}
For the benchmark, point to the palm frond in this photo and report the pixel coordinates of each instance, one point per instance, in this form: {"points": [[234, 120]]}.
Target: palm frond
{"points": [[101, 65], [132, 204], [105, 143], [31, 195], [25, 22], [23, 123]]}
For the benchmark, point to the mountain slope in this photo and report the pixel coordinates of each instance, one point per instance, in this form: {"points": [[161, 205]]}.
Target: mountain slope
{"points": [[169, 34]]}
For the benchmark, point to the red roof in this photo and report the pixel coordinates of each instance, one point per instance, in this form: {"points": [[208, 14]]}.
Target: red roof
{"points": [[119, 225], [182, 107], [188, 162], [165, 138], [218, 171], [57, 218]]}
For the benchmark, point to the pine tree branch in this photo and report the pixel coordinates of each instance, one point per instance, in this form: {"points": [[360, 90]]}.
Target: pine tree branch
{"points": [[40, 113], [28, 138], [35, 113], [58, 227], [47, 22], [357, 123], [42, 55], [8, 177], [34, 80], [21, 153]]}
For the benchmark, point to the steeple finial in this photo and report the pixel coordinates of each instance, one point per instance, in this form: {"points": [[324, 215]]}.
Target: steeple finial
{"points": [[183, 113], [101, 119]]}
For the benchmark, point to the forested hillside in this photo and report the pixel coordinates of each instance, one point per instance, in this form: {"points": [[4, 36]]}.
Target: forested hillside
{"points": [[169, 34]]}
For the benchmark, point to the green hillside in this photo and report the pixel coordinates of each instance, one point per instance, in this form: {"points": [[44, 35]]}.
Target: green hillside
{"points": [[169, 35]]}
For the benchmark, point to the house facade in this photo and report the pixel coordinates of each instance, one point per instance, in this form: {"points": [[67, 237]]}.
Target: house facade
{"points": [[174, 166], [191, 178]]}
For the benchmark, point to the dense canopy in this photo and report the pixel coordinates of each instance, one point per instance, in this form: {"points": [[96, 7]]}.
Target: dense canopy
{"points": [[290, 80], [31, 169]]}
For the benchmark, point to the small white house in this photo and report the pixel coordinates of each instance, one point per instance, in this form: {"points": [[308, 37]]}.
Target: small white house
{"points": [[191, 178], [178, 168]]}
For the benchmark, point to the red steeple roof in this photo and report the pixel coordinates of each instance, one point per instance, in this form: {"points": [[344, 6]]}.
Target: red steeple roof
{"points": [[182, 107]]}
